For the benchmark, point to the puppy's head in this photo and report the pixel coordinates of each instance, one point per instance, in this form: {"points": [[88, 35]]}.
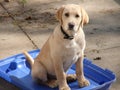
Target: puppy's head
{"points": [[72, 17]]}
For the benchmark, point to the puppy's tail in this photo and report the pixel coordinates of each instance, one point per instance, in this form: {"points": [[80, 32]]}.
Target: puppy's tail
{"points": [[29, 58]]}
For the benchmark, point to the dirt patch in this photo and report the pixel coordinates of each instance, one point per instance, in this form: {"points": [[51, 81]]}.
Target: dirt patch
{"points": [[97, 58], [32, 16], [110, 11], [46, 17]]}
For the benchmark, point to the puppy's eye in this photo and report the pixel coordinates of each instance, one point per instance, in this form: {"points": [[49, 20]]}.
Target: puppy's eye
{"points": [[67, 14], [77, 16]]}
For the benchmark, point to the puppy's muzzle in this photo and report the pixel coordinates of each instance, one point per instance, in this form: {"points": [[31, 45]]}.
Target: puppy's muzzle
{"points": [[71, 26]]}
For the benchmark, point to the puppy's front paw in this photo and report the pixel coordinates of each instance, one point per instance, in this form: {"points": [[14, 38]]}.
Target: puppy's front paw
{"points": [[65, 88], [83, 82]]}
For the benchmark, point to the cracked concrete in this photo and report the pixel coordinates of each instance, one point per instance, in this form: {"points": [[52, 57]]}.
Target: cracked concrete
{"points": [[27, 26]]}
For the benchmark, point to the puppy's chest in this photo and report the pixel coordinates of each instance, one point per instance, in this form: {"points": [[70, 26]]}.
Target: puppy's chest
{"points": [[71, 53], [72, 48]]}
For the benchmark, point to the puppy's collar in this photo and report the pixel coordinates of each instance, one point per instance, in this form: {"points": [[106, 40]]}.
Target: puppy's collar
{"points": [[66, 36]]}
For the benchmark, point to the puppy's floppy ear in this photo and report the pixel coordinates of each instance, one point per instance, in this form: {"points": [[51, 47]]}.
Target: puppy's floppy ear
{"points": [[85, 17], [59, 14]]}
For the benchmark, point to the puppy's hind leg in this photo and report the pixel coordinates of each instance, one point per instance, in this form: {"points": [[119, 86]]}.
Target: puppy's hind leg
{"points": [[52, 83], [39, 72], [71, 77]]}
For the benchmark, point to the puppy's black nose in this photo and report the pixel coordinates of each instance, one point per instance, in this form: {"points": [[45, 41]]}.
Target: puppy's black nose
{"points": [[71, 26]]}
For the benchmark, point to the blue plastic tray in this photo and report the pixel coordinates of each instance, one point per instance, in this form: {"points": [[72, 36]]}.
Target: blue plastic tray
{"points": [[16, 70]]}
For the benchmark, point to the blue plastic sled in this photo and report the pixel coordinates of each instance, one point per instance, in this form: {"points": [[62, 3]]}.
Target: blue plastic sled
{"points": [[16, 70]]}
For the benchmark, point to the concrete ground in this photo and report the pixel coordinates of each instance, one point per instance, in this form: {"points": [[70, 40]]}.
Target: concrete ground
{"points": [[27, 25]]}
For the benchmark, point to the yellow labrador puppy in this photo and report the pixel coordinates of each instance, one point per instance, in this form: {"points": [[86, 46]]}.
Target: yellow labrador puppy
{"points": [[63, 48]]}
